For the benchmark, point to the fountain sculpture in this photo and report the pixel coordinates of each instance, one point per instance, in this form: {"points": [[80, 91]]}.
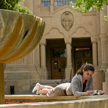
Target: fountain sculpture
{"points": [[19, 34]]}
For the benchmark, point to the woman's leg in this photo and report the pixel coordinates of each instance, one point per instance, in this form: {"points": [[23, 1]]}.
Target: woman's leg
{"points": [[45, 87], [39, 87], [43, 91]]}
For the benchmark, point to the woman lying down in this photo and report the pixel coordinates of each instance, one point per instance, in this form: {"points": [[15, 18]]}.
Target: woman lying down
{"points": [[81, 85]]}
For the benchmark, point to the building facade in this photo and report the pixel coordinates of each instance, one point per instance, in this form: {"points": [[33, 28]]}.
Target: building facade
{"points": [[70, 39]]}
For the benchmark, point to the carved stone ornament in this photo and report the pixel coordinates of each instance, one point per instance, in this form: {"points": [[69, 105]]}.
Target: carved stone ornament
{"points": [[67, 20]]}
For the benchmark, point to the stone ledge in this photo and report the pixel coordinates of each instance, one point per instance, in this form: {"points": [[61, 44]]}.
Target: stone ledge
{"points": [[100, 101], [44, 98], [39, 98]]}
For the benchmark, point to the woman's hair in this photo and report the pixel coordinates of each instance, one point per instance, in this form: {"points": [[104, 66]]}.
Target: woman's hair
{"points": [[86, 67]]}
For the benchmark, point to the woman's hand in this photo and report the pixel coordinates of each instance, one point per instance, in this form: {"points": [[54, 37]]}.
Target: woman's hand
{"points": [[88, 93], [100, 92]]}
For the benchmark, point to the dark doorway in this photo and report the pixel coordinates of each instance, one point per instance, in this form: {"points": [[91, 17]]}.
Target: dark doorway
{"points": [[58, 63], [82, 49], [56, 58]]}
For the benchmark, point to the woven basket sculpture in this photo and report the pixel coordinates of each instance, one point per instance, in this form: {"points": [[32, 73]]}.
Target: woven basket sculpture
{"points": [[19, 34]]}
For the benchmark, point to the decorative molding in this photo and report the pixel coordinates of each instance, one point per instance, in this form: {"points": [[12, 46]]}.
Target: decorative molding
{"points": [[68, 40], [54, 33], [81, 32], [93, 39], [66, 7]]}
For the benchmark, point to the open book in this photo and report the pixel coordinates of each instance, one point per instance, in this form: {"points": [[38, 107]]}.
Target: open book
{"points": [[98, 92]]}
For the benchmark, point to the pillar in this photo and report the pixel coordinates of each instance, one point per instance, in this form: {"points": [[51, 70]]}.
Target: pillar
{"points": [[94, 48], [68, 52], [98, 79], [104, 52], [43, 56], [43, 68], [68, 69], [105, 87], [39, 7], [51, 6], [36, 7], [103, 36], [2, 84], [99, 61], [99, 53]]}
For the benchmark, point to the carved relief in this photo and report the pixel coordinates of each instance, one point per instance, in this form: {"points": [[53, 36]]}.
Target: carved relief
{"points": [[67, 20], [81, 32], [53, 31]]}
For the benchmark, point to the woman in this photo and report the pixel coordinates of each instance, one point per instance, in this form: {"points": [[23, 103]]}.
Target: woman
{"points": [[81, 84]]}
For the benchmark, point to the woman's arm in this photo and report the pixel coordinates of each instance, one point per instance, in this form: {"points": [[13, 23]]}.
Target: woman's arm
{"points": [[77, 88]]}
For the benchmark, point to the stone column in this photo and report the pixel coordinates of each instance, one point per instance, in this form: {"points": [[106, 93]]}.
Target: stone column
{"points": [[103, 36], [2, 84], [69, 59], [43, 61], [94, 48], [68, 51], [103, 23], [104, 52], [99, 75], [39, 7], [98, 79], [35, 7], [51, 6], [105, 84], [99, 53], [43, 55], [98, 39], [105, 87]]}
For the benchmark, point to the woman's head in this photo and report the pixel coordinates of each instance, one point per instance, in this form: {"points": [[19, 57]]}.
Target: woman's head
{"points": [[86, 70]]}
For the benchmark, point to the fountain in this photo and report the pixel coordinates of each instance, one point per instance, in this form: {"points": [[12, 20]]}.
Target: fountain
{"points": [[19, 34]]}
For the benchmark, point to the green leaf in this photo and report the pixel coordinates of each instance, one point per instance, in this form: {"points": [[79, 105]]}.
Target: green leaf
{"points": [[13, 5]]}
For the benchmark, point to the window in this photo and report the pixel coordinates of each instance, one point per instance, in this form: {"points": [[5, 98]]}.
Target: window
{"points": [[63, 2], [45, 3]]}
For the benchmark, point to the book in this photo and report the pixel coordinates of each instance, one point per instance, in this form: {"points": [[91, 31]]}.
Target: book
{"points": [[98, 92]]}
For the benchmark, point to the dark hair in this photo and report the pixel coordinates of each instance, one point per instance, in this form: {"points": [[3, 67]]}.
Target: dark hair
{"points": [[86, 67]]}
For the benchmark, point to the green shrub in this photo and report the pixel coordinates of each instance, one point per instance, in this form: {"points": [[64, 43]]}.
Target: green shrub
{"points": [[13, 5]]}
